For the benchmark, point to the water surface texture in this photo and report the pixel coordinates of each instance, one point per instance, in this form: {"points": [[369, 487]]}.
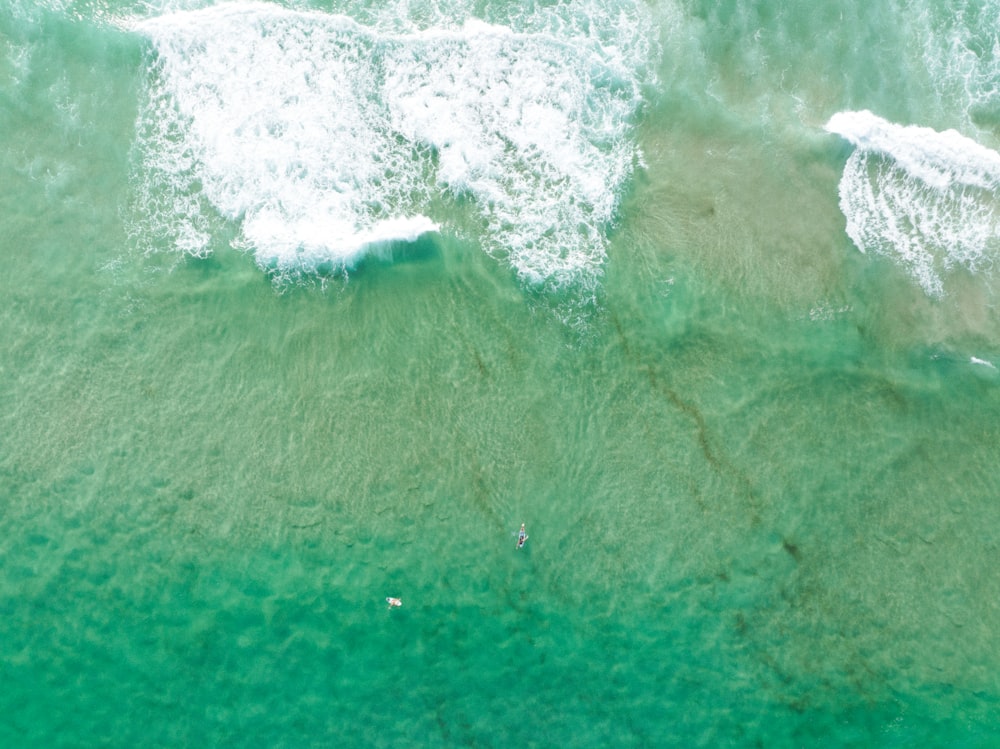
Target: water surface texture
{"points": [[307, 304]]}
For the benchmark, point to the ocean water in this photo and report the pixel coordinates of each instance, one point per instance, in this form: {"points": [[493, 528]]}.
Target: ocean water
{"points": [[311, 303]]}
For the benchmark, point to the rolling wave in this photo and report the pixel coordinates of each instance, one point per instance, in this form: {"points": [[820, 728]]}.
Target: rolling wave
{"points": [[321, 137], [924, 198]]}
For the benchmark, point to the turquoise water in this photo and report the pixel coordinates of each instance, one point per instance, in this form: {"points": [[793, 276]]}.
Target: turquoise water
{"points": [[308, 305]]}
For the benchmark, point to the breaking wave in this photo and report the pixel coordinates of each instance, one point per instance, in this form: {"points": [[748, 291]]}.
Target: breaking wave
{"points": [[320, 137], [926, 199]]}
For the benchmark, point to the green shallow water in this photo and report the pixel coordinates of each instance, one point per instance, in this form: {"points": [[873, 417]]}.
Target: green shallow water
{"points": [[758, 472]]}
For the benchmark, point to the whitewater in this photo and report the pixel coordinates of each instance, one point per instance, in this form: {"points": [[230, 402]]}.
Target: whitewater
{"points": [[345, 136]]}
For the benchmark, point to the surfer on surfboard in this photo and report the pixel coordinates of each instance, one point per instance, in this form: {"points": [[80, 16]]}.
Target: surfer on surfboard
{"points": [[521, 537], [393, 602]]}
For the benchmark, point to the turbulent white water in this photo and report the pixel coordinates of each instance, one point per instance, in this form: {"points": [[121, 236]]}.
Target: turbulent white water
{"points": [[322, 137], [927, 199]]}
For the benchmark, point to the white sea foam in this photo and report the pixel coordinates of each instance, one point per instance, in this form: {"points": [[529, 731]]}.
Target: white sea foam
{"points": [[959, 47], [927, 199], [320, 136]]}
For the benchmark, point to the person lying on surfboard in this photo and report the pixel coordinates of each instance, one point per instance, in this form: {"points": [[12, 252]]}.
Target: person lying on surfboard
{"points": [[521, 537], [393, 602]]}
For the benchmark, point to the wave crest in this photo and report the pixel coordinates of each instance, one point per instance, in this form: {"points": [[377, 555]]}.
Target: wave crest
{"points": [[927, 199]]}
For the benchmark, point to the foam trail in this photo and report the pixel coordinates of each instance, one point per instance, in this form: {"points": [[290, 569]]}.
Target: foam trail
{"points": [[321, 136], [959, 47], [924, 198]]}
